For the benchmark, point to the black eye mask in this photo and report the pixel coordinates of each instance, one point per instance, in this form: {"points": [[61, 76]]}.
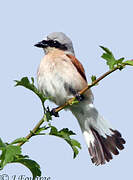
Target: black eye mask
{"points": [[56, 44], [51, 43]]}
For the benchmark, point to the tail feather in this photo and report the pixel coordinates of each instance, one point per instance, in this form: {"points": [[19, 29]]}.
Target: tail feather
{"points": [[102, 148], [102, 140], [96, 151]]}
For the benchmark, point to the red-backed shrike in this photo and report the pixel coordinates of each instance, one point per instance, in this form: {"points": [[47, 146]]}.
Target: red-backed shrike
{"points": [[61, 76]]}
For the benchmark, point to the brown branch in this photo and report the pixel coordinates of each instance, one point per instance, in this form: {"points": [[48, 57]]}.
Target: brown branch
{"points": [[69, 102], [32, 133]]}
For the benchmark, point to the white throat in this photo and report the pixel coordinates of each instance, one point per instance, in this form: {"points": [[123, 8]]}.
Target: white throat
{"points": [[51, 49]]}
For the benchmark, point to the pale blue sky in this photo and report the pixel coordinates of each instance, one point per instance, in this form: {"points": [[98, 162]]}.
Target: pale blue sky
{"points": [[89, 24]]}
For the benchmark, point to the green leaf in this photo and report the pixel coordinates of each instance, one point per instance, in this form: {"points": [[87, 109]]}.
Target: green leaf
{"points": [[75, 101], [32, 79], [53, 131], [109, 57], [75, 150], [65, 133], [48, 116], [27, 84], [130, 63], [31, 165], [76, 143], [41, 129], [19, 140], [119, 61], [93, 78], [106, 50], [9, 153], [20, 156], [12, 154], [2, 144]]}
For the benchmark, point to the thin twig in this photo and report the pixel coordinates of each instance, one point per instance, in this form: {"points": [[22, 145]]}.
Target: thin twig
{"points": [[69, 102], [34, 130]]}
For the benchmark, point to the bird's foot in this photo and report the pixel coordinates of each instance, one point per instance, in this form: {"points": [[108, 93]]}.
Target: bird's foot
{"points": [[79, 97], [54, 113]]}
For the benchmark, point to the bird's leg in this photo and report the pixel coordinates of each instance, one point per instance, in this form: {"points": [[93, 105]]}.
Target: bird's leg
{"points": [[79, 97], [53, 112], [73, 91]]}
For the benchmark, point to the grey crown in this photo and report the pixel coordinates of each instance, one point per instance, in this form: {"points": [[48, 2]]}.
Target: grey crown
{"points": [[63, 39]]}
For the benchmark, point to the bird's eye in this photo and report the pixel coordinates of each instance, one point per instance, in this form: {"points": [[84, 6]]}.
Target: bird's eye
{"points": [[55, 42]]}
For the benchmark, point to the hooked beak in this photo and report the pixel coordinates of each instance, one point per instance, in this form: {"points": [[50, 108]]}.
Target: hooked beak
{"points": [[42, 44]]}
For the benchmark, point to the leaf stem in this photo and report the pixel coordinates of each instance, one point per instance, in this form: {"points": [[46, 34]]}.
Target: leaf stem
{"points": [[44, 109]]}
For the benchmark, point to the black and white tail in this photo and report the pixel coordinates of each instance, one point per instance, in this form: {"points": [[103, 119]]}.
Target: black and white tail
{"points": [[102, 148], [102, 140]]}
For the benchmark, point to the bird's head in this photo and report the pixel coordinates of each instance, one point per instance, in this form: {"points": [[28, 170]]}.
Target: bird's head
{"points": [[56, 40]]}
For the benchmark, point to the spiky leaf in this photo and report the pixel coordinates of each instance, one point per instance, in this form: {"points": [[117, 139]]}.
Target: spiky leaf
{"points": [[130, 63], [65, 133], [109, 57], [31, 165], [30, 85]]}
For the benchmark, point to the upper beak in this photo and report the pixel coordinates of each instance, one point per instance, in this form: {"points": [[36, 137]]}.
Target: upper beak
{"points": [[42, 44]]}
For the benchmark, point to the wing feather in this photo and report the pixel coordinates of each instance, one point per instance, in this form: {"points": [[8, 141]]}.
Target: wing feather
{"points": [[78, 66]]}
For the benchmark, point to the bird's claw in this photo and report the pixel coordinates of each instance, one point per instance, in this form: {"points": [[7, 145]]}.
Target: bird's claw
{"points": [[54, 113], [79, 97]]}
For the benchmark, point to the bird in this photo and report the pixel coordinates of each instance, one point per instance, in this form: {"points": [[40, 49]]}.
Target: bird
{"points": [[61, 76]]}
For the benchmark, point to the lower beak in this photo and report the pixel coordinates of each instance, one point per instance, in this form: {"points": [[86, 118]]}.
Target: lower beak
{"points": [[42, 44]]}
